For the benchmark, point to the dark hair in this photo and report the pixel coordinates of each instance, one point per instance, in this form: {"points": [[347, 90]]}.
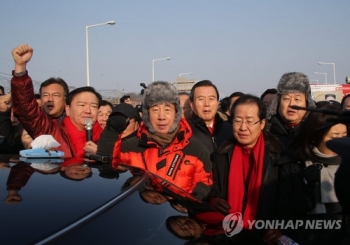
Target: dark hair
{"points": [[2, 89], [203, 83], [314, 129], [77, 91], [236, 94], [124, 98], [37, 96], [105, 102], [55, 80], [225, 104], [250, 99], [343, 100], [268, 91]]}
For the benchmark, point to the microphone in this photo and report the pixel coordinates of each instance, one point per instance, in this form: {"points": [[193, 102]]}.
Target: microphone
{"points": [[88, 127]]}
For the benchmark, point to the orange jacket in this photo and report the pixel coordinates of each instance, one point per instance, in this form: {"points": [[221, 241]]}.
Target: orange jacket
{"points": [[184, 162]]}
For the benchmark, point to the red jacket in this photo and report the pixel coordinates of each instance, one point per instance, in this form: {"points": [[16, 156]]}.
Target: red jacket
{"points": [[183, 162], [36, 122]]}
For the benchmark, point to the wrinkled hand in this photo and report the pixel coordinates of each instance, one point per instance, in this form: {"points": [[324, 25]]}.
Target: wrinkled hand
{"points": [[271, 236], [220, 205], [5, 102], [117, 123], [312, 174], [90, 148], [21, 55]]}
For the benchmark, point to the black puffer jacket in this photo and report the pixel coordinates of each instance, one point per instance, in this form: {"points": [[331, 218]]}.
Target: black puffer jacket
{"points": [[295, 197]]}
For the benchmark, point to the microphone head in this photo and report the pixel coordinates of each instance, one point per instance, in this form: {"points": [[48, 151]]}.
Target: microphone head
{"points": [[88, 123]]}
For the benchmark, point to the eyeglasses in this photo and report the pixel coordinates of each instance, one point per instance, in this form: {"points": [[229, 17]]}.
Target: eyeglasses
{"points": [[55, 96], [238, 122]]}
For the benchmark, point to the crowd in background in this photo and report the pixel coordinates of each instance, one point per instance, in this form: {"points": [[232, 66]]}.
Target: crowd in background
{"points": [[257, 156]]}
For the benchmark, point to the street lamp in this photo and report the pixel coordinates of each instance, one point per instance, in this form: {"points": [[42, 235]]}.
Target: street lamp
{"points": [[324, 73], [188, 73], [333, 64], [167, 58], [87, 48]]}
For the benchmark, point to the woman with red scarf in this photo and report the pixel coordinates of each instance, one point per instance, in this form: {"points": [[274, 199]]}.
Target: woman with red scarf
{"points": [[245, 173]]}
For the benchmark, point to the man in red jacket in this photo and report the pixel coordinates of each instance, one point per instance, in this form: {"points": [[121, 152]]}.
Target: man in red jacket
{"points": [[81, 103], [164, 143]]}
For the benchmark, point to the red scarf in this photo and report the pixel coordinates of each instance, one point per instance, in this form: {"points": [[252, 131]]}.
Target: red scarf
{"points": [[78, 137], [236, 181]]}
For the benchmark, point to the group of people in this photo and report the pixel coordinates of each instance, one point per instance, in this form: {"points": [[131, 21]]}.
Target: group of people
{"points": [[257, 156]]}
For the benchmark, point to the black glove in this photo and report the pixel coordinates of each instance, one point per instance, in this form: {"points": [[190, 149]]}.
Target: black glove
{"points": [[220, 205], [117, 123], [312, 174]]}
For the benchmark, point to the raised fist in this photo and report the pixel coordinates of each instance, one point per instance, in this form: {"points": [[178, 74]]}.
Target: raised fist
{"points": [[21, 55]]}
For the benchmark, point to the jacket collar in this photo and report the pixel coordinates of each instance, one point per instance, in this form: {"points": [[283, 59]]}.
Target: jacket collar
{"points": [[200, 122]]}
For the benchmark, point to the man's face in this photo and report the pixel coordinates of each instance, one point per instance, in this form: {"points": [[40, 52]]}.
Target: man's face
{"points": [[84, 105], [186, 108], [153, 197], [162, 117], [128, 101], [268, 99], [247, 125], [289, 115], [205, 103], [103, 114], [185, 226], [53, 100], [76, 171], [346, 106]]}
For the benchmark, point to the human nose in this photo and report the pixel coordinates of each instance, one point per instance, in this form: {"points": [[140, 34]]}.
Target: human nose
{"points": [[161, 114], [243, 126]]}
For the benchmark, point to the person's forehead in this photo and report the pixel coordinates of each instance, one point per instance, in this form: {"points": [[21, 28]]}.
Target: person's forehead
{"points": [[294, 94], [250, 110], [205, 91], [164, 104], [85, 97], [52, 87], [105, 108], [268, 96]]}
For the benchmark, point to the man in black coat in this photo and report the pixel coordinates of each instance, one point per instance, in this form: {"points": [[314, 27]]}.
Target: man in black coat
{"points": [[207, 126]]}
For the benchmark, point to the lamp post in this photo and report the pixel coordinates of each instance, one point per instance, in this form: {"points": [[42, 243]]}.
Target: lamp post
{"points": [[167, 58], [187, 73], [333, 64], [324, 73], [87, 48]]}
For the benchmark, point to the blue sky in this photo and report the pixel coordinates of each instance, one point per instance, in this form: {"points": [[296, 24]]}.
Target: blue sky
{"points": [[239, 45]]}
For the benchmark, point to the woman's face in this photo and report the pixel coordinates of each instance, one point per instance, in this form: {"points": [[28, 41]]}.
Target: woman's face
{"points": [[337, 131]]}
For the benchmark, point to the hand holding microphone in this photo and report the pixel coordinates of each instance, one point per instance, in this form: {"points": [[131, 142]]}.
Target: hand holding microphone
{"points": [[88, 127]]}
